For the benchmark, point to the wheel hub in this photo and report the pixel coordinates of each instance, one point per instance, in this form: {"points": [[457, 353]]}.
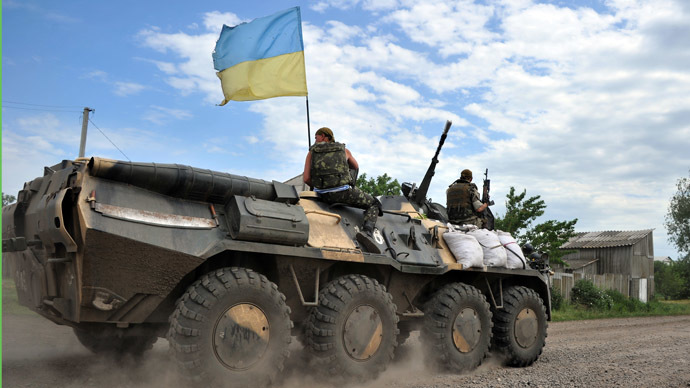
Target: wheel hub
{"points": [[526, 328], [467, 330], [240, 336], [363, 333]]}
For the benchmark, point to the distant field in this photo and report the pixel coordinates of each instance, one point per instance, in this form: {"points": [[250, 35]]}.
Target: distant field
{"points": [[570, 312]]}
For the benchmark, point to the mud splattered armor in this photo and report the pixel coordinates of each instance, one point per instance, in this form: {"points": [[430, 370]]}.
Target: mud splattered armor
{"points": [[329, 166], [459, 198]]}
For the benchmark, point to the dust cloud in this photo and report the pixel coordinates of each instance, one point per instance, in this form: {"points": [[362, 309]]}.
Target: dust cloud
{"points": [[38, 353]]}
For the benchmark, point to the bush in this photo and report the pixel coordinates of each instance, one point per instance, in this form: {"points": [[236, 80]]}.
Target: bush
{"points": [[622, 303], [586, 294], [556, 298]]}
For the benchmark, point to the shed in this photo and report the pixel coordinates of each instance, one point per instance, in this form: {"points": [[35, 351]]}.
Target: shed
{"points": [[628, 253]]}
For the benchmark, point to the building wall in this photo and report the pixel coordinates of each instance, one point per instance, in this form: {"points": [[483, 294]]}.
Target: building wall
{"points": [[620, 268], [625, 284]]}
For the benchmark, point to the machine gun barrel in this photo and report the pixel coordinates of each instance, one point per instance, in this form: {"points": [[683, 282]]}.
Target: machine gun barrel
{"points": [[420, 193], [182, 181]]}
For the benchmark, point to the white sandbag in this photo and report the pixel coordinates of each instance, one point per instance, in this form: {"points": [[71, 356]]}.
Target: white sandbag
{"points": [[494, 253], [465, 248], [464, 228], [516, 259]]}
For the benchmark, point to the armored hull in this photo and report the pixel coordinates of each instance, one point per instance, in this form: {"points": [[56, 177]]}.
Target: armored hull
{"points": [[230, 268]]}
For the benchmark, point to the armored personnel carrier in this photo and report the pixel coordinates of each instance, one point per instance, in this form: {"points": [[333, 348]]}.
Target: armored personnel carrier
{"points": [[229, 269]]}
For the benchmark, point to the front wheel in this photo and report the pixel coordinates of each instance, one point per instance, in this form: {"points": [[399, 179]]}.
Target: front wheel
{"points": [[457, 328], [352, 333], [520, 326], [232, 328]]}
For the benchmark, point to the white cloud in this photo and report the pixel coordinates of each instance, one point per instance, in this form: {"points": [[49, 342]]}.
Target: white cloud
{"points": [[214, 21], [124, 89], [587, 109], [161, 115], [195, 73]]}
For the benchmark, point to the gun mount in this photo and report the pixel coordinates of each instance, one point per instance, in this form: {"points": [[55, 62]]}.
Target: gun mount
{"points": [[417, 195]]}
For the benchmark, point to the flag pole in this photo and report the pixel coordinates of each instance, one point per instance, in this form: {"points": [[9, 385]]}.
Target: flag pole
{"points": [[308, 125]]}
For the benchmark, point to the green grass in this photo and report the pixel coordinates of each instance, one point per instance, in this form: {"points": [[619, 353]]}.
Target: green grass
{"points": [[10, 305], [570, 312]]}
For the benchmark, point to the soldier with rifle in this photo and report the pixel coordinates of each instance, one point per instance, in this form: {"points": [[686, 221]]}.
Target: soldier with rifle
{"points": [[463, 203]]}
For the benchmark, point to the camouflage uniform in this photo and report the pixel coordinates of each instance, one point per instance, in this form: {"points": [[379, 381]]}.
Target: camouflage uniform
{"points": [[460, 199], [329, 169]]}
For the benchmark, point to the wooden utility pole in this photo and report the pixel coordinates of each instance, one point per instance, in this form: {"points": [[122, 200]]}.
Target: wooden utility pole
{"points": [[84, 125]]}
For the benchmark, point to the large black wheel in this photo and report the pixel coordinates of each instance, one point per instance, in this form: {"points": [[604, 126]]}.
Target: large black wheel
{"points": [[352, 333], [457, 328], [231, 328], [115, 342], [520, 326]]}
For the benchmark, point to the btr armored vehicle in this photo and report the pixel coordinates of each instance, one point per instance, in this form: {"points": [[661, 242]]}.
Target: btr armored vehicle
{"points": [[229, 269]]}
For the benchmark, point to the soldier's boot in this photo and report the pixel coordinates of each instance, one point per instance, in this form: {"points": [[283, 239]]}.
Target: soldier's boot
{"points": [[365, 238]]}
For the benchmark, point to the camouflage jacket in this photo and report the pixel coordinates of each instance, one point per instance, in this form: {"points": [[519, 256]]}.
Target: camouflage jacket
{"points": [[329, 167], [459, 199]]}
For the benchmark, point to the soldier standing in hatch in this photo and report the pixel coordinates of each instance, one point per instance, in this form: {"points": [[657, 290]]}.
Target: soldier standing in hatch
{"points": [[462, 201], [327, 170]]}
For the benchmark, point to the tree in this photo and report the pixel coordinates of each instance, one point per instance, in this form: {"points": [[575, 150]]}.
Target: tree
{"points": [[520, 213], [547, 236], [7, 199], [382, 185], [682, 268], [678, 216], [667, 282]]}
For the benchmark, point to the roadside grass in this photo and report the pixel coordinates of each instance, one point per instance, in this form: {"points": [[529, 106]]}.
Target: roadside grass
{"points": [[621, 309], [10, 305]]}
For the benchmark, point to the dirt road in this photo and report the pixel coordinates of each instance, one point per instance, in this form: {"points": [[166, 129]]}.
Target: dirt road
{"points": [[635, 352]]}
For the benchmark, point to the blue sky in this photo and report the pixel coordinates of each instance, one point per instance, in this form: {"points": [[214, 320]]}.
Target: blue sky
{"points": [[584, 103]]}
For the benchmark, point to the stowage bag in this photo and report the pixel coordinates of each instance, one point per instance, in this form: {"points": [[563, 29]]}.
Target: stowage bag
{"points": [[516, 259], [494, 252], [465, 248]]}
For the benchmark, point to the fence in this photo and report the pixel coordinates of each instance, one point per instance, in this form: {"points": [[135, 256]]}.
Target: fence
{"points": [[625, 284]]}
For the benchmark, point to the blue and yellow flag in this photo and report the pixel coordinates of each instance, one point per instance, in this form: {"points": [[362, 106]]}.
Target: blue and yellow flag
{"points": [[262, 59]]}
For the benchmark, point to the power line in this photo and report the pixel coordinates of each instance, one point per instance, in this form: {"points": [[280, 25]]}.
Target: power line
{"points": [[111, 142]]}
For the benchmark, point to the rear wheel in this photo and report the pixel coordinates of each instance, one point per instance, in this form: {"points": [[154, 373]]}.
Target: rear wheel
{"points": [[520, 326], [232, 327], [352, 333], [457, 328]]}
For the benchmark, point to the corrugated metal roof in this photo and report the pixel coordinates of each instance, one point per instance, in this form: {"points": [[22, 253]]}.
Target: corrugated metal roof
{"points": [[606, 239]]}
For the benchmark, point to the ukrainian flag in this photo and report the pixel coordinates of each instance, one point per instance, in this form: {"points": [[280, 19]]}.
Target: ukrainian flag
{"points": [[262, 59]]}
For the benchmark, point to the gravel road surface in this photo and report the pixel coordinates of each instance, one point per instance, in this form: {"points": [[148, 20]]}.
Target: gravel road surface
{"points": [[633, 352]]}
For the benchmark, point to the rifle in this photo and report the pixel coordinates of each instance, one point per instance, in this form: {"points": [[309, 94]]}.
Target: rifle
{"points": [[487, 215]]}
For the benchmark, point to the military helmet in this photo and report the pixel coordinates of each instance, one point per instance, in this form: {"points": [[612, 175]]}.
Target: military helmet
{"points": [[325, 131], [466, 174]]}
